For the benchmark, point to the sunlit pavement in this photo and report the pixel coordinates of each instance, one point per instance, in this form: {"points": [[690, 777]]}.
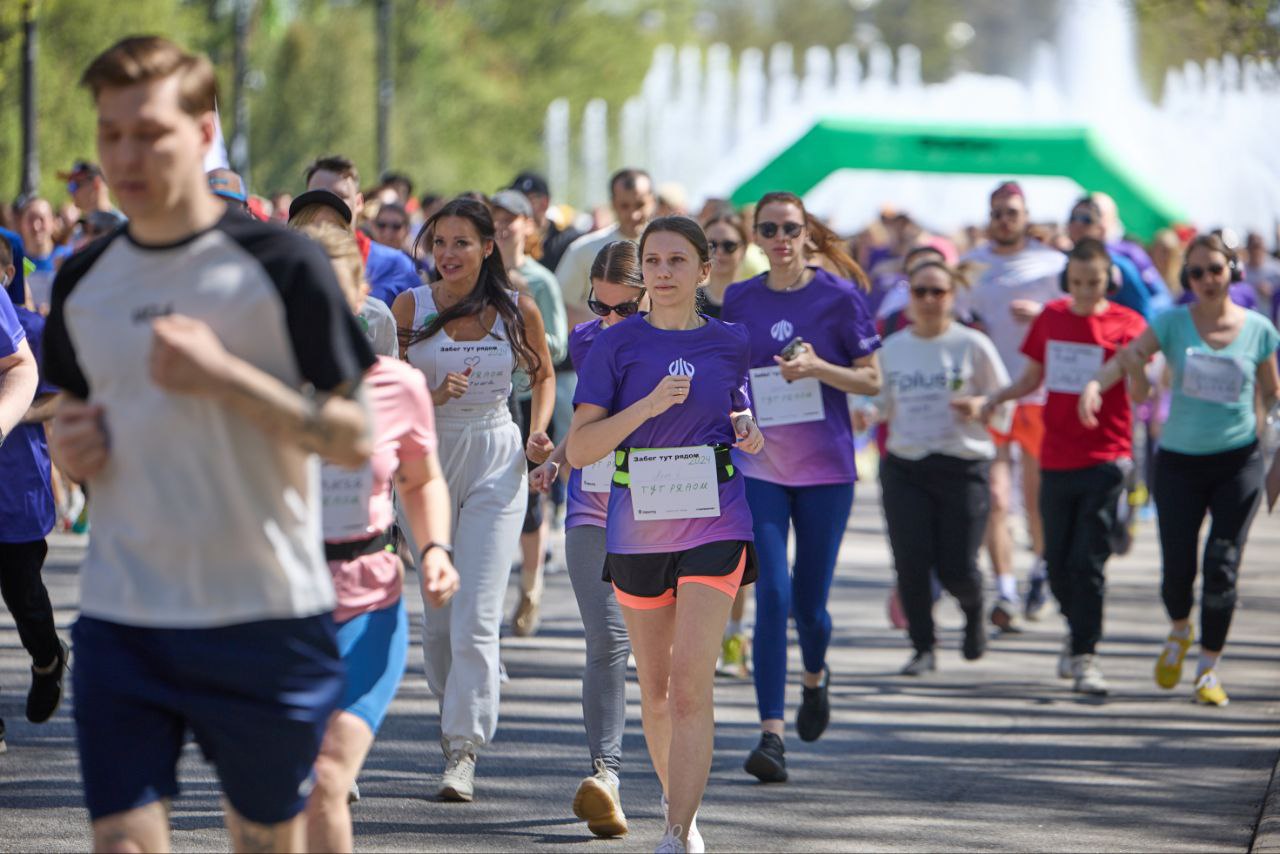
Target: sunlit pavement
{"points": [[997, 754]]}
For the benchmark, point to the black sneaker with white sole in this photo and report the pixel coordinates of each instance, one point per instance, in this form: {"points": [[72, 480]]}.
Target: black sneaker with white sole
{"points": [[768, 762], [974, 644], [46, 688]]}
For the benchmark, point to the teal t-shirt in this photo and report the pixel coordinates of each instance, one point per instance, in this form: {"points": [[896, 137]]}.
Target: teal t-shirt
{"points": [[1212, 406]]}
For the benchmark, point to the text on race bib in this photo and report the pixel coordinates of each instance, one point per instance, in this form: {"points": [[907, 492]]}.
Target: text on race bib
{"points": [[490, 364], [924, 418], [344, 501], [1069, 366], [776, 402], [1212, 377], [598, 477], [674, 483]]}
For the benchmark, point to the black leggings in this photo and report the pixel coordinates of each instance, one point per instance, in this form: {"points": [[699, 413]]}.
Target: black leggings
{"points": [[1229, 487], [936, 512], [27, 600]]}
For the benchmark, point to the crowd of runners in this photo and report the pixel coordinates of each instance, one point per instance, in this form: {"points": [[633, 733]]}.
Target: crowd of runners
{"points": [[277, 410]]}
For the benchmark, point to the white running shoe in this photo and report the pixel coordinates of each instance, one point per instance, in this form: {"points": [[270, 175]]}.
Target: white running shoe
{"points": [[670, 843], [459, 780], [695, 844], [597, 802], [1088, 674]]}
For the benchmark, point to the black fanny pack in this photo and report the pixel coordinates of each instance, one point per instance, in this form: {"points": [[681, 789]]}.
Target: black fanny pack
{"points": [[352, 549], [725, 470]]}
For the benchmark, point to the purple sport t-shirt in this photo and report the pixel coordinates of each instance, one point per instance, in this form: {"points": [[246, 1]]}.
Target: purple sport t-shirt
{"points": [[26, 495], [583, 508], [626, 362], [832, 316]]}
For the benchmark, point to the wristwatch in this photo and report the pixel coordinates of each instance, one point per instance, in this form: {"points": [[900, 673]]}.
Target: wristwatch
{"points": [[444, 547]]}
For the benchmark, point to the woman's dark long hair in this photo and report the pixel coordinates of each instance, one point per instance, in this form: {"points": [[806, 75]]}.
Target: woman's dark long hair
{"points": [[492, 288]]}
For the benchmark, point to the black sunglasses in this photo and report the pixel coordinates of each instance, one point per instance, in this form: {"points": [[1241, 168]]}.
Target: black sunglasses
{"points": [[729, 246], [1198, 272], [622, 309], [921, 292], [395, 225], [1005, 213], [1083, 219], [769, 230]]}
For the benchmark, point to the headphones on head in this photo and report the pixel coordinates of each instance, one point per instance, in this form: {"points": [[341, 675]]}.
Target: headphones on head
{"points": [[1115, 277], [1233, 262]]}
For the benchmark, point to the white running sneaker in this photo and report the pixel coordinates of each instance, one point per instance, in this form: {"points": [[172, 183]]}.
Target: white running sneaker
{"points": [[670, 843], [598, 804], [695, 844], [1088, 675], [459, 780]]}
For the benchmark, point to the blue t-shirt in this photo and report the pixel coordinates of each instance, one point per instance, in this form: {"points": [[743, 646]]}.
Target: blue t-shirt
{"points": [[11, 331], [1212, 403], [17, 287], [389, 272], [1133, 292], [26, 496]]}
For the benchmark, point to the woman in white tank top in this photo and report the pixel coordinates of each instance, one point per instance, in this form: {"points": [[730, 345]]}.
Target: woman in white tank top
{"points": [[467, 332]]}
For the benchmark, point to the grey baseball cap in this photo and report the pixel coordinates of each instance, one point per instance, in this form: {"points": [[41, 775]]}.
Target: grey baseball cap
{"points": [[512, 201]]}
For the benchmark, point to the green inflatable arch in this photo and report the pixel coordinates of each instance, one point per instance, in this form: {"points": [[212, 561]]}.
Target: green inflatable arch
{"points": [[1065, 151]]}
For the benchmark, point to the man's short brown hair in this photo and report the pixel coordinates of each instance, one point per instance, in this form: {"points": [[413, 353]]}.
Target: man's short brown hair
{"points": [[343, 166], [142, 59]]}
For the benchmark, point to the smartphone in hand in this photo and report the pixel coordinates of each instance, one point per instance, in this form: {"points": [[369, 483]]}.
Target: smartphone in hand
{"points": [[792, 349]]}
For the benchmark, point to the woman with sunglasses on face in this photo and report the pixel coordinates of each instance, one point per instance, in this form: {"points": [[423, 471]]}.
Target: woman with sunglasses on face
{"points": [[617, 292], [934, 474], [1221, 356], [467, 332], [665, 393], [727, 238], [813, 343]]}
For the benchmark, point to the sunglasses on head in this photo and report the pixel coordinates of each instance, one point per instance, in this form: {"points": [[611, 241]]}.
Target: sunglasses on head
{"points": [[622, 309], [922, 291], [728, 246], [769, 230], [1214, 269]]}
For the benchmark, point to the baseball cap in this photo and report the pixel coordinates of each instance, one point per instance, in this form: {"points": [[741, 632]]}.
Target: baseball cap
{"points": [[320, 197], [228, 185], [531, 182], [80, 170], [512, 201]]}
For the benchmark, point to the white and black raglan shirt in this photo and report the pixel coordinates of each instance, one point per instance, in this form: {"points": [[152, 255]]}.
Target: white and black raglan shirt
{"points": [[201, 519]]}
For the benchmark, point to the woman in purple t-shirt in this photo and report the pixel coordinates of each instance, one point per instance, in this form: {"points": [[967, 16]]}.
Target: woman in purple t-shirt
{"points": [[666, 392], [813, 342]]}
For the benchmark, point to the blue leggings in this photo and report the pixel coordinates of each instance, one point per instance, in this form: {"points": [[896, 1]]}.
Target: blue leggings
{"points": [[820, 514]]}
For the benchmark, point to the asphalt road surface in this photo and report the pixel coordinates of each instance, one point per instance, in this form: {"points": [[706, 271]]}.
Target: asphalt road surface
{"points": [[992, 755]]}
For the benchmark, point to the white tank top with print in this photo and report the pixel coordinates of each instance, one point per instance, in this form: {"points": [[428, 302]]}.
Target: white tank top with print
{"points": [[490, 360]]}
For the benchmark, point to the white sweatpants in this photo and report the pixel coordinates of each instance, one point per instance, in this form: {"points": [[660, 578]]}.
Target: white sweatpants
{"points": [[484, 466]]}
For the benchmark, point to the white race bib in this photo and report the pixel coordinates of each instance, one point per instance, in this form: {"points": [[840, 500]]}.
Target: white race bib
{"points": [[598, 477], [490, 364], [924, 418], [1212, 377], [344, 501], [674, 483], [1070, 366], [776, 402]]}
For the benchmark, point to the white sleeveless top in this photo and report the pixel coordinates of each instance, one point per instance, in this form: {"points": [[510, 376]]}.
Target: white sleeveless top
{"points": [[490, 360]]}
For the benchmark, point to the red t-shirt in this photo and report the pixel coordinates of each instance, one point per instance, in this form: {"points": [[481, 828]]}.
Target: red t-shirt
{"points": [[1071, 348]]}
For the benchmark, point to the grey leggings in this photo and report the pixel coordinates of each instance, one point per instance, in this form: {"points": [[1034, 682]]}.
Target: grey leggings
{"points": [[604, 681]]}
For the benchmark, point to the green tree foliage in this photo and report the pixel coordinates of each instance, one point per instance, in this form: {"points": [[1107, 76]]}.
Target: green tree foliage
{"points": [[473, 77]]}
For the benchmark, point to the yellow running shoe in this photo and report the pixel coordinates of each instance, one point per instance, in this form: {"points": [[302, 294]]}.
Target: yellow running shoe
{"points": [[1169, 664], [1209, 690], [733, 657]]}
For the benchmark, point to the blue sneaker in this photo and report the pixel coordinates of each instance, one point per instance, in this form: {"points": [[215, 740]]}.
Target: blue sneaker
{"points": [[1037, 591]]}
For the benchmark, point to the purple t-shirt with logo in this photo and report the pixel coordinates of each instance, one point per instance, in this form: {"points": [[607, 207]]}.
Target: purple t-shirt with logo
{"points": [[832, 317], [583, 508], [623, 366]]}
